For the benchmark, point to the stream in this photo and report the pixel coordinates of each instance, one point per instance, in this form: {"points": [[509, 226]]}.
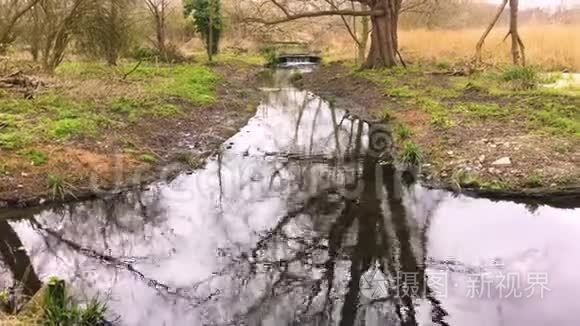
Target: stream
{"points": [[294, 223]]}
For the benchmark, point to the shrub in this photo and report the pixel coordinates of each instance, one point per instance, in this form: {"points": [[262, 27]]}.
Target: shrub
{"points": [[58, 186]]}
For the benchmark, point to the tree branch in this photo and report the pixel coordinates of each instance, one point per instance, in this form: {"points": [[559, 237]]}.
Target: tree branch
{"points": [[317, 14]]}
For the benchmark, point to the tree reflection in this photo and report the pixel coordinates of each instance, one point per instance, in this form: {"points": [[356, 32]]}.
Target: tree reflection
{"points": [[343, 216], [14, 257]]}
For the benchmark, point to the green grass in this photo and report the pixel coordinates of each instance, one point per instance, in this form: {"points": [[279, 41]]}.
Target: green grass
{"points": [[552, 114], [60, 309], [512, 73], [194, 83], [66, 128], [12, 140], [148, 158], [483, 110], [403, 132], [411, 154], [402, 92], [135, 109], [54, 116], [386, 115], [535, 180], [83, 69], [443, 65], [439, 112], [36, 158]]}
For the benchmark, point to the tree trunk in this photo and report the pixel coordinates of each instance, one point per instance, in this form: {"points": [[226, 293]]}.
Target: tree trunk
{"points": [[364, 38], [518, 55], [112, 46], [384, 40]]}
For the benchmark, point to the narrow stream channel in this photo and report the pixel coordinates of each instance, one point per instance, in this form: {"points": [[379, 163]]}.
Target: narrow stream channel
{"points": [[279, 230]]}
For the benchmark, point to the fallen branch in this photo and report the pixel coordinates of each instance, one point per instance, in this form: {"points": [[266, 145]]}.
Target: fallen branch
{"points": [[132, 70]]}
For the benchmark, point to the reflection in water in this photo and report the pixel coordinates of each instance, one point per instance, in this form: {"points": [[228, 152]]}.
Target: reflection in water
{"points": [[296, 224]]}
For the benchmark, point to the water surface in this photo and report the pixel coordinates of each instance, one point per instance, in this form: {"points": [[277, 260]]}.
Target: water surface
{"points": [[295, 223]]}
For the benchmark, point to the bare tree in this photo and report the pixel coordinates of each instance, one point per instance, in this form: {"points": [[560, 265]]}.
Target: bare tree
{"points": [[159, 10], [11, 12], [105, 32], [518, 48], [382, 14], [60, 20]]}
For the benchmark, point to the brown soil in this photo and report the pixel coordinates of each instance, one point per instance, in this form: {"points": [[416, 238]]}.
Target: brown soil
{"points": [[114, 161], [471, 146]]}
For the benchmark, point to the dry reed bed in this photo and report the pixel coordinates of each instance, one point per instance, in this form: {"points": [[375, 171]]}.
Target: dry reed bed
{"points": [[553, 47]]}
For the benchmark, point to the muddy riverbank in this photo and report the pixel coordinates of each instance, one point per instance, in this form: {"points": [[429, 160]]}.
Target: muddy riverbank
{"points": [[135, 144], [473, 137]]}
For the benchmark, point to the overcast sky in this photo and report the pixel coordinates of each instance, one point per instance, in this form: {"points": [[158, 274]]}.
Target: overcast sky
{"points": [[543, 3]]}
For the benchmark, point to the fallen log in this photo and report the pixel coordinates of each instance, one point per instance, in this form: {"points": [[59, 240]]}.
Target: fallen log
{"points": [[21, 83]]}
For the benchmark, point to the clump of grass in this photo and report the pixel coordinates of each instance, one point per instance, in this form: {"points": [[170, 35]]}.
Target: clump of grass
{"points": [[386, 115], [188, 159], [521, 78], [36, 157], [148, 158], [411, 154], [495, 185], [58, 186], [462, 178], [60, 309], [535, 180], [443, 65], [403, 132]]}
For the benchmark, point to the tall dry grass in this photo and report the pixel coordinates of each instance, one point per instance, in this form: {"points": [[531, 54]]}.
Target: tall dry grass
{"points": [[553, 47]]}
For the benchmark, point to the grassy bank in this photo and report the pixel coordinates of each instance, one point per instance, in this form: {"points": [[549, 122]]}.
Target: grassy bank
{"points": [[90, 123], [499, 129]]}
